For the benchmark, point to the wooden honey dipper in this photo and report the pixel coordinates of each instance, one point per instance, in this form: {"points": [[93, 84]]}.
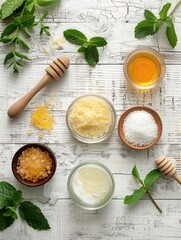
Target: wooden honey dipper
{"points": [[166, 167], [54, 71]]}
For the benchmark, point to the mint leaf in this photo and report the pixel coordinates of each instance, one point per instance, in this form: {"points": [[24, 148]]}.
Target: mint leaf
{"points": [[97, 42], [22, 43], [9, 56], [17, 197], [81, 49], [136, 174], [5, 40], [168, 21], [9, 7], [20, 55], [6, 193], [135, 196], [75, 37], [9, 29], [143, 29], [25, 21], [156, 27], [5, 221], [91, 55], [30, 6], [151, 177], [33, 216], [164, 10], [10, 211], [171, 35], [149, 15]]}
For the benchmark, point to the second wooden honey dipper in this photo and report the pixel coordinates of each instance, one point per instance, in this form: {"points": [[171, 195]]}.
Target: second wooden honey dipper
{"points": [[166, 167], [54, 71]]}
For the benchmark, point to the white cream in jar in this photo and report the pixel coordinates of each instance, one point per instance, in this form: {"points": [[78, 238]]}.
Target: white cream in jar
{"points": [[91, 185]]}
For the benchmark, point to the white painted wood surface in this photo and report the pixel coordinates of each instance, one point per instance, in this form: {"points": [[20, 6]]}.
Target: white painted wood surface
{"points": [[115, 20]]}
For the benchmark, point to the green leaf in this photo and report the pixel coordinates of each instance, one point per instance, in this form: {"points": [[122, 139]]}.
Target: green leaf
{"points": [[17, 197], [10, 211], [151, 177], [164, 11], [9, 7], [9, 29], [149, 15], [143, 29], [25, 21], [81, 49], [30, 6], [5, 40], [171, 35], [136, 174], [33, 216], [135, 196], [5, 221], [44, 3], [156, 27], [9, 56], [91, 55], [20, 55], [75, 37], [15, 65], [6, 193], [22, 43], [168, 21], [97, 42]]}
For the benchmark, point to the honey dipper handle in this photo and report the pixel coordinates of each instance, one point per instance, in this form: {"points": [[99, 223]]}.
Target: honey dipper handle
{"points": [[177, 177], [18, 106]]}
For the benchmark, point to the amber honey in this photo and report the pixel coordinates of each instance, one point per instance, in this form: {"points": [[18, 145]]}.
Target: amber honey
{"points": [[144, 68]]}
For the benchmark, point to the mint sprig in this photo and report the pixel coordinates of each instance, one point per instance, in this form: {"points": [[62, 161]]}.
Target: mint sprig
{"points": [[151, 24], [87, 47], [10, 200], [149, 180], [22, 14]]}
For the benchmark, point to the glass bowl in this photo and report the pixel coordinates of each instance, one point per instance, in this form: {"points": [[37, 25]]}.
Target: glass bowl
{"points": [[80, 202], [98, 139], [152, 56]]}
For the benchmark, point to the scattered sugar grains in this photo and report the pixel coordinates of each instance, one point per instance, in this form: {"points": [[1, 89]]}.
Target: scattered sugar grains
{"points": [[42, 118], [140, 128], [34, 164]]}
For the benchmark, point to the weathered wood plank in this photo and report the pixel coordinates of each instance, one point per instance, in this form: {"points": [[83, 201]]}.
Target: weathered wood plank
{"points": [[120, 37], [116, 221]]}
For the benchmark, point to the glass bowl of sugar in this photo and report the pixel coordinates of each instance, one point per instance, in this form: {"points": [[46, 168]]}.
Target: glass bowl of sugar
{"points": [[140, 127]]}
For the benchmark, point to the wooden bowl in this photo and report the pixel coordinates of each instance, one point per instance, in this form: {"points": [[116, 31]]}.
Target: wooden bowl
{"points": [[138, 108], [41, 181]]}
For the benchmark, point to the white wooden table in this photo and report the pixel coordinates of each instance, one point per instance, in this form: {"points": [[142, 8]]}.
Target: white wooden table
{"points": [[115, 20]]}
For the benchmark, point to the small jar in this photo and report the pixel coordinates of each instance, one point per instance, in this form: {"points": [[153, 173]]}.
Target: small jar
{"points": [[91, 185], [88, 129], [144, 68]]}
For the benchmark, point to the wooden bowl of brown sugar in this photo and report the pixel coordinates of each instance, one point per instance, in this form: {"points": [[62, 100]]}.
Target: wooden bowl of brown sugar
{"points": [[34, 164]]}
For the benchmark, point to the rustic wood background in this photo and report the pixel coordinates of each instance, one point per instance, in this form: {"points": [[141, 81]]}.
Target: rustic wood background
{"points": [[115, 20]]}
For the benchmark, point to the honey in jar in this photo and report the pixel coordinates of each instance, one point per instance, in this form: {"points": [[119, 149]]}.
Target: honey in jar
{"points": [[144, 68]]}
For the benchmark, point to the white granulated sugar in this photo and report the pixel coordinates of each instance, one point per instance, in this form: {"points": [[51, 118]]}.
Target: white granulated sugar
{"points": [[140, 128]]}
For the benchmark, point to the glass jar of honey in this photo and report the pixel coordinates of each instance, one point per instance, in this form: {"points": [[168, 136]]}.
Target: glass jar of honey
{"points": [[144, 68]]}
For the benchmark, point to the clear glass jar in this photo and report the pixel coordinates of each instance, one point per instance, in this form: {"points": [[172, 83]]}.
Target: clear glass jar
{"points": [[77, 199], [92, 140], [150, 60]]}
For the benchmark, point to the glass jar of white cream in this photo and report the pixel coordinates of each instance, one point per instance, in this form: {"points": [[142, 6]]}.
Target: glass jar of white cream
{"points": [[91, 185], [91, 118]]}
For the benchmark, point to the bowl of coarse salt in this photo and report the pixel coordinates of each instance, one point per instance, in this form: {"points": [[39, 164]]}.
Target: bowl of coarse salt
{"points": [[140, 127]]}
